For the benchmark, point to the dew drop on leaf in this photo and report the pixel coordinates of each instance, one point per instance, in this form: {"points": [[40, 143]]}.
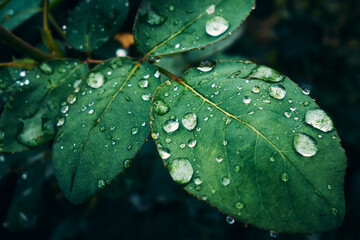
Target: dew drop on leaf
{"points": [[230, 220], [216, 26], [127, 163], [255, 89], [210, 9], [192, 143], [206, 66], [181, 170], [134, 130], [197, 181], [284, 177], [45, 68], [305, 91], [277, 91], [189, 121], [239, 205], [246, 99], [319, 120], [266, 74], [160, 107], [219, 159], [305, 145], [147, 14], [225, 181], [143, 83], [273, 234], [146, 97], [164, 153], [95, 80], [171, 125], [101, 183]]}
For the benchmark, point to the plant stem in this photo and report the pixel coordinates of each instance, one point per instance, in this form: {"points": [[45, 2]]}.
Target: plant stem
{"points": [[20, 45], [50, 42], [56, 25], [18, 64]]}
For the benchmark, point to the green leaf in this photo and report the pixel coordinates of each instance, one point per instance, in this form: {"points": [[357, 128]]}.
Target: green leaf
{"points": [[18, 11], [105, 128], [37, 101], [93, 22], [26, 203], [169, 26], [236, 136]]}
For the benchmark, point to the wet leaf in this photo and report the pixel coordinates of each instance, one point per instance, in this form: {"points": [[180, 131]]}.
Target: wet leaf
{"points": [[243, 145], [37, 101], [166, 27], [18, 11], [105, 128], [93, 22], [26, 203]]}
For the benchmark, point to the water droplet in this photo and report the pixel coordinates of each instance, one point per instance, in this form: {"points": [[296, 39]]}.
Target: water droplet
{"points": [[329, 187], [197, 181], [64, 109], [60, 122], [230, 220], [272, 159], [266, 74], [239, 205], [157, 74], [181, 170], [334, 211], [147, 14], [236, 168], [284, 177], [164, 153], [319, 120], [305, 145], [91, 111], [121, 52], [287, 114], [216, 26], [127, 163], [192, 143], [24, 176], [277, 91], [160, 107], [102, 129], [225, 181], [171, 125], [306, 103], [182, 145], [95, 80], [273, 234], [171, 8], [71, 99], [305, 91], [143, 83], [168, 140], [219, 159], [155, 135], [198, 187], [206, 66], [189, 121], [210, 9], [246, 99], [146, 97], [255, 89], [101, 183], [45, 68], [177, 46], [134, 130]]}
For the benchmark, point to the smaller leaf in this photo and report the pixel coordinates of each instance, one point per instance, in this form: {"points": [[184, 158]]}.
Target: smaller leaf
{"points": [[93, 22], [18, 11], [37, 100]]}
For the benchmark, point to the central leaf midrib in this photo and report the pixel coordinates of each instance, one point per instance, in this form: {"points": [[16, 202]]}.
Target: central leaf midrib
{"points": [[254, 129]]}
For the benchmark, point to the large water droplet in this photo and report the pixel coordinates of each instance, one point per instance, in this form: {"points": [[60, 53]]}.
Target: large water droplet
{"points": [[95, 80], [319, 120], [160, 107], [277, 91], [206, 66], [266, 74], [171, 125], [181, 170], [189, 121], [164, 153], [216, 26], [305, 145], [225, 181]]}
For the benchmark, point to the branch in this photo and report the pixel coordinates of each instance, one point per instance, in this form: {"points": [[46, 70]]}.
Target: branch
{"points": [[20, 45], [49, 41]]}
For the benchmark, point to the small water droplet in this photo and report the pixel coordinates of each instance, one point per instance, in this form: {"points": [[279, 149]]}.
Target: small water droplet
{"points": [[306, 103], [219, 159], [60, 122], [329, 187], [255, 89], [182, 145], [71, 99], [206, 66], [189, 121], [239, 205], [284, 177], [45, 68], [272, 159], [160, 107], [164, 153], [192, 143], [277, 91], [319, 120], [146, 97], [171, 8], [197, 181], [143, 83], [127, 163], [225, 181], [91, 111], [230, 220], [101, 183], [246, 99], [334, 211], [273, 234], [216, 26], [287, 114], [112, 128], [305, 91], [95, 80], [155, 135], [171, 125], [134, 130], [236, 168], [210, 9], [181, 170], [168, 140]]}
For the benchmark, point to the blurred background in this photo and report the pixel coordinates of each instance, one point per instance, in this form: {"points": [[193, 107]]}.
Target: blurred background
{"points": [[314, 42]]}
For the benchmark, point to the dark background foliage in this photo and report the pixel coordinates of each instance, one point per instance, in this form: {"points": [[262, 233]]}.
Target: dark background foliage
{"points": [[314, 42]]}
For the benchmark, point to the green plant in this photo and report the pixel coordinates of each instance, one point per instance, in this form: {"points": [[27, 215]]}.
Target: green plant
{"points": [[238, 135]]}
